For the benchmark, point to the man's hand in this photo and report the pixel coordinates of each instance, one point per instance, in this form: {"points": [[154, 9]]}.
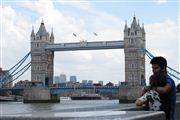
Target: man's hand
{"points": [[138, 102], [145, 89]]}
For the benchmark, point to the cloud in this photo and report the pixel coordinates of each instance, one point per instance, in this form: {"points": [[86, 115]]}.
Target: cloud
{"points": [[90, 63], [160, 1], [163, 40]]}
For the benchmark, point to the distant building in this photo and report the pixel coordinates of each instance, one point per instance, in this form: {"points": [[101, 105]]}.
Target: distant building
{"points": [[56, 80], [87, 83], [84, 83], [90, 83], [73, 79], [5, 82], [97, 84], [100, 82], [109, 84], [22, 84], [62, 78], [73, 84]]}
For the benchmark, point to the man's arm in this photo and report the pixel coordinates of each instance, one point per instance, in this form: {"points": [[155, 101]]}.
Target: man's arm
{"points": [[163, 90], [145, 89]]}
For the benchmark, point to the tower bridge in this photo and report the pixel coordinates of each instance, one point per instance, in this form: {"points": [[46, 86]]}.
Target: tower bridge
{"points": [[42, 62], [43, 48]]}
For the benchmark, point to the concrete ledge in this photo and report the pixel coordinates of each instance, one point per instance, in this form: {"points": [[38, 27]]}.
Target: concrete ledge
{"points": [[151, 116], [30, 118], [177, 114]]}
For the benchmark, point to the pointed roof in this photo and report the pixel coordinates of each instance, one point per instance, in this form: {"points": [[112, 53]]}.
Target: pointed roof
{"points": [[32, 33], [134, 23], [42, 30], [138, 26], [126, 27], [52, 35], [143, 28]]}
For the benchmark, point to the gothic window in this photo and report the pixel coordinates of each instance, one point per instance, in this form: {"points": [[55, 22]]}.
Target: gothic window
{"points": [[132, 33], [132, 41], [40, 37], [135, 32], [37, 77], [48, 66], [132, 77], [132, 65]]}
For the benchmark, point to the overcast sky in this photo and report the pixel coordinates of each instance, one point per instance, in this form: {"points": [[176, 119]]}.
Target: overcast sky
{"points": [[104, 17]]}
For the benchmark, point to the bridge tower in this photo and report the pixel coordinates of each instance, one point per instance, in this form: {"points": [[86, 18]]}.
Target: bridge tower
{"points": [[41, 60], [134, 42]]}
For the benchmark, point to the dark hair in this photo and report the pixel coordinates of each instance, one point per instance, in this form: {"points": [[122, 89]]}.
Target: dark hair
{"points": [[158, 80], [161, 61]]}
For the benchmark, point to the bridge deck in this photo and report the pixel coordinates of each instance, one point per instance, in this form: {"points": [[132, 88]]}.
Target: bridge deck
{"points": [[84, 45]]}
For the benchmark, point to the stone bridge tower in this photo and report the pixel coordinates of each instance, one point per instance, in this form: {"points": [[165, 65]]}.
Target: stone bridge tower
{"points": [[134, 40], [41, 59]]}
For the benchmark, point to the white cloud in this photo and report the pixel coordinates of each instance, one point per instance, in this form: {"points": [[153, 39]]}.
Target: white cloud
{"points": [[64, 26], [160, 1], [163, 40]]}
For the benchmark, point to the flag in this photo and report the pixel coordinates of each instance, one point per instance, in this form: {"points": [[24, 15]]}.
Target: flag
{"points": [[74, 35], [95, 34]]}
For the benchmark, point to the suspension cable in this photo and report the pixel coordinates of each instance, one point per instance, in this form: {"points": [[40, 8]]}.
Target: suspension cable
{"points": [[18, 75], [20, 61]]}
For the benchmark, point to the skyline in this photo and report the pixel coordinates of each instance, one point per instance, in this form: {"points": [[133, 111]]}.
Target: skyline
{"points": [[107, 19]]}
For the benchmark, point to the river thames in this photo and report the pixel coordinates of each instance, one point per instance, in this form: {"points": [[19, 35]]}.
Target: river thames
{"points": [[67, 108]]}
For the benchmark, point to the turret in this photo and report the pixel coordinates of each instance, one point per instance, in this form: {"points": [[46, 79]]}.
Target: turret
{"points": [[42, 30], [126, 27], [42, 59], [134, 42], [134, 23], [32, 34], [52, 36]]}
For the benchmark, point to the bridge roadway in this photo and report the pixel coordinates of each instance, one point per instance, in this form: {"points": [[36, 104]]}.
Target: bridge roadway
{"points": [[56, 90], [84, 45]]}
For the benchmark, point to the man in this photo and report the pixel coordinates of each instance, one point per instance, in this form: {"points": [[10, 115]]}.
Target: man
{"points": [[159, 66]]}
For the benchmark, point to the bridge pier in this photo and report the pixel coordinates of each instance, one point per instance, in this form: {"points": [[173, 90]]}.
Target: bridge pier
{"points": [[39, 95]]}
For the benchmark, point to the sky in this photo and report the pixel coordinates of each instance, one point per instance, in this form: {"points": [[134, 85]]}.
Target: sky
{"points": [[106, 18]]}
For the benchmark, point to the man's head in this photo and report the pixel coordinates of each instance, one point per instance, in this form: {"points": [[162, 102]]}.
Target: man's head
{"points": [[159, 65]]}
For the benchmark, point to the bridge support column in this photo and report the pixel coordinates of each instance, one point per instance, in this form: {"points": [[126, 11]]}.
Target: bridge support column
{"points": [[39, 95]]}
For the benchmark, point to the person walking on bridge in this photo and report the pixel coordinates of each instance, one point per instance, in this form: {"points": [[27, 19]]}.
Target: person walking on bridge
{"points": [[159, 66]]}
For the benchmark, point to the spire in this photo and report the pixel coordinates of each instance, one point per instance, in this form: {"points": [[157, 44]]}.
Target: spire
{"points": [[134, 23], [143, 28], [138, 26], [32, 33], [42, 29], [126, 27], [52, 35]]}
